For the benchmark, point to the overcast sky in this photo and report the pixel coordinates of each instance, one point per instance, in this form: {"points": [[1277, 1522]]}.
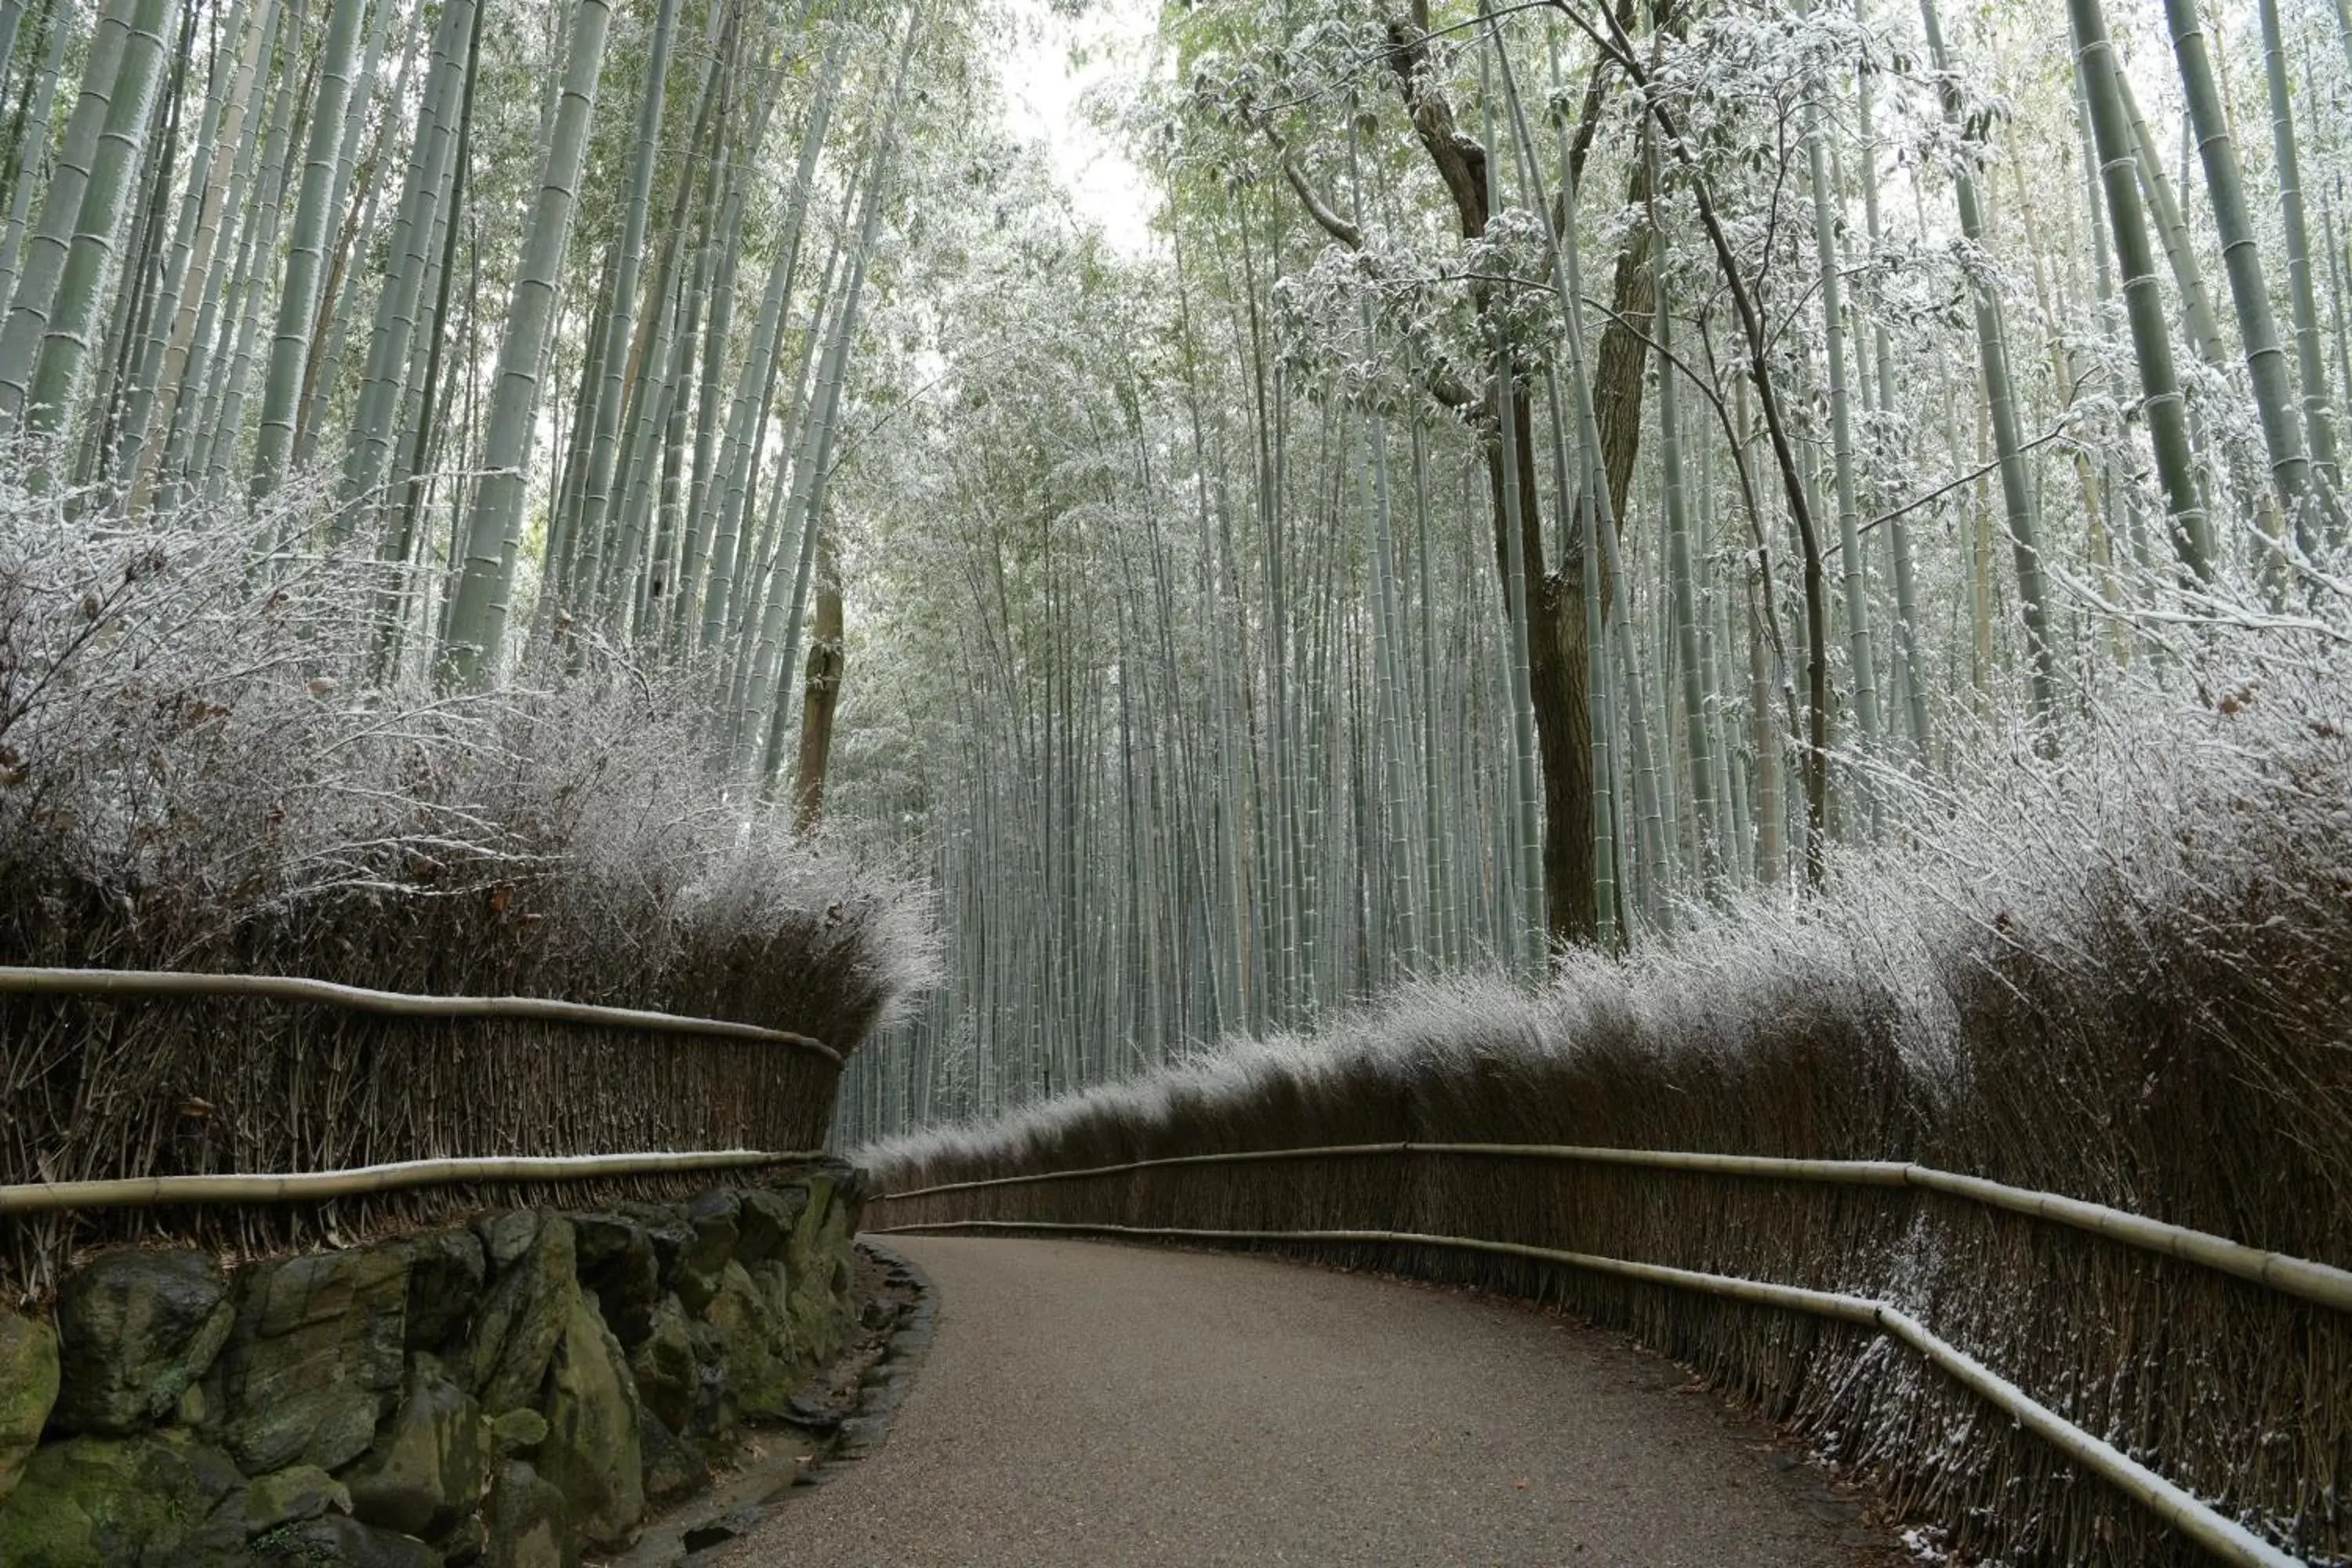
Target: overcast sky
{"points": [[1051, 63]]}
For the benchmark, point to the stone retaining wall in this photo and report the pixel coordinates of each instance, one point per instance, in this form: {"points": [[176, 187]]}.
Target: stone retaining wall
{"points": [[508, 1392]]}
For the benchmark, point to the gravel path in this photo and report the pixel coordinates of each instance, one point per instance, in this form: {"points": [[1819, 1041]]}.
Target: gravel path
{"points": [[1103, 1405]]}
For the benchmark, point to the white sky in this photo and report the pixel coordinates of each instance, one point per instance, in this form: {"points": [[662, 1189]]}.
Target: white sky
{"points": [[1050, 63]]}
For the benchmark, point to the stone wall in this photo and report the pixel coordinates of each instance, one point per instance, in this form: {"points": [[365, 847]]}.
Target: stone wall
{"points": [[510, 1393]]}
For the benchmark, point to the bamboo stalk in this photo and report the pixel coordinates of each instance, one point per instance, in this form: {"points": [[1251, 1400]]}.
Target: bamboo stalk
{"points": [[150, 982], [316, 1186], [2227, 1540], [2318, 1282]]}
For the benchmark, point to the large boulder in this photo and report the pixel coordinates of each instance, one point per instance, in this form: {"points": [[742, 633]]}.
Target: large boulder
{"points": [[669, 1374], [122, 1502], [137, 1328], [617, 1261], [592, 1453], [28, 1389], [344, 1541], [432, 1465], [820, 1300], [667, 1226], [287, 1497], [768, 1221], [759, 1357], [446, 1272], [715, 1217], [672, 1470], [532, 1291], [524, 1522], [315, 1358]]}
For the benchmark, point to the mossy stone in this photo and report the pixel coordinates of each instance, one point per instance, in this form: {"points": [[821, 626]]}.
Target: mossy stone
{"points": [[532, 1291], [432, 1465], [291, 1495], [524, 1522], [28, 1390], [819, 1306], [315, 1360], [715, 1216], [135, 1330], [616, 1262], [591, 1453], [672, 1470], [118, 1502], [767, 1222], [667, 1372], [345, 1543], [446, 1270], [518, 1432], [762, 1368]]}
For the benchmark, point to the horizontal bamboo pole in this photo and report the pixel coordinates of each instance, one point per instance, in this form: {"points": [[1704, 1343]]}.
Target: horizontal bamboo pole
{"points": [[2224, 1538], [2317, 1282], [315, 1186], [142, 983]]}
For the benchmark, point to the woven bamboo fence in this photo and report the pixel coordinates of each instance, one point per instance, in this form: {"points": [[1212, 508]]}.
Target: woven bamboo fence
{"points": [[255, 1113], [2205, 1368]]}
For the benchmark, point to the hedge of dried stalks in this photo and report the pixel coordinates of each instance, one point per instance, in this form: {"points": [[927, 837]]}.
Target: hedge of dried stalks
{"points": [[2129, 982], [201, 769]]}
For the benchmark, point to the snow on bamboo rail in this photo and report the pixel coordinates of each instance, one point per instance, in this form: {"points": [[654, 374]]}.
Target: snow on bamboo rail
{"points": [[2317, 1282], [2224, 1538], [317, 1186], [142, 984]]}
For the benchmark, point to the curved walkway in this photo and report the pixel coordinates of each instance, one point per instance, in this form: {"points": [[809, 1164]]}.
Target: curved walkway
{"points": [[1100, 1405]]}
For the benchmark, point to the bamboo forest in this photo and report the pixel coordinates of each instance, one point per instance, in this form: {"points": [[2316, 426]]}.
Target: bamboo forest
{"points": [[1507, 485], [702, 702]]}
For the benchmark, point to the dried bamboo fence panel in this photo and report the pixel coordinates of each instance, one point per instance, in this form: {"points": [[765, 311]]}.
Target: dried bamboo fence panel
{"points": [[102, 1088]]}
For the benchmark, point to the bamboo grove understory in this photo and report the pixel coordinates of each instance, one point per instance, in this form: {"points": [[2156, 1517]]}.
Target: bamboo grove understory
{"points": [[1547, 468], [1364, 614]]}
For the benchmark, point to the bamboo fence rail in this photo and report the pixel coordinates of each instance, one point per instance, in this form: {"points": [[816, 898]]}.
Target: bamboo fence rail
{"points": [[150, 983], [317, 1186], [2224, 1538], [2317, 1282], [39, 1251]]}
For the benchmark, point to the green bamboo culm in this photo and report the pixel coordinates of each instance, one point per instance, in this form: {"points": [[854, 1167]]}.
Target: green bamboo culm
{"points": [[2197, 316], [2311, 360], [107, 73], [2161, 404], [478, 612], [1525, 789], [595, 497], [1861, 666], [431, 148], [199, 203], [2242, 259], [720, 526], [1911, 669], [297, 300], [78, 314], [32, 146], [2017, 502], [1697, 701]]}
